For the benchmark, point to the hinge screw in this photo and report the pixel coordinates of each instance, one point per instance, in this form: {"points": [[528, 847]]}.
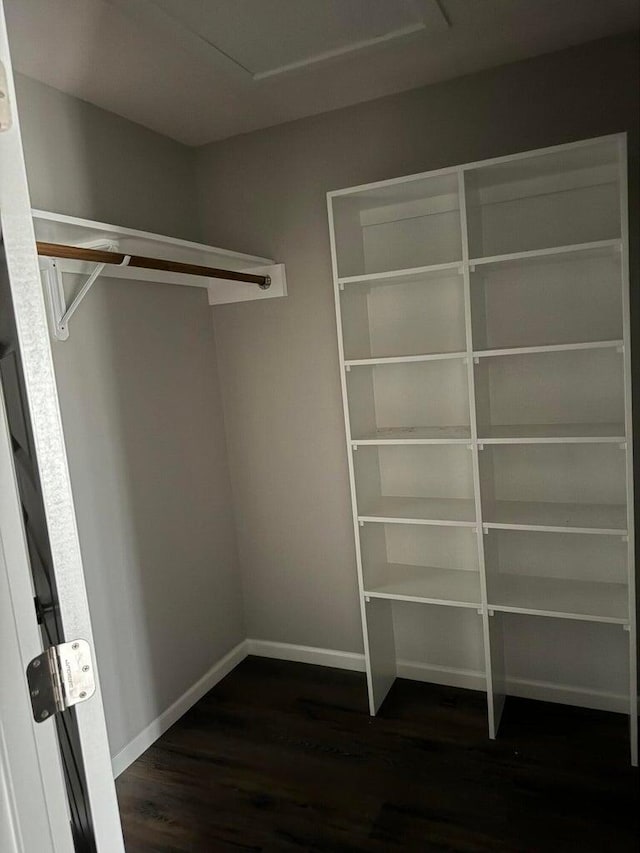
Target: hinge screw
{"points": [[35, 692], [75, 646], [83, 695], [44, 714], [85, 668], [36, 663]]}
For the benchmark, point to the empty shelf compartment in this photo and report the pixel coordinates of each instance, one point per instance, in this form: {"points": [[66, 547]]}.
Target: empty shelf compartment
{"points": [[554, 485], [572, 661], [550, 199], [558, 574], [421, 563], [397, 225], [424, 483], [553, 394], [561, 298], [413, 398], [413, 315]]}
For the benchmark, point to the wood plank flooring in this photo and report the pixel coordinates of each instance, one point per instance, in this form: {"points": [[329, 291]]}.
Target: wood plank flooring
{"points": [[283, 758]]}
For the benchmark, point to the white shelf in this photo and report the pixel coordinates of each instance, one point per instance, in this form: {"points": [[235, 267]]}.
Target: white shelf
{"points": [[416, 435], [72, 230], [459, 512], [584, 345], [404, 359], [536, 254], [552, 433], [402, 276], [559, 597], [60, 228], [428, 585], [557, 517]]}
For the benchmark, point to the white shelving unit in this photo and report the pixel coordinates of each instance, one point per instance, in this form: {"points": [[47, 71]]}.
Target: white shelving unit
{"points": [[483, 327]]}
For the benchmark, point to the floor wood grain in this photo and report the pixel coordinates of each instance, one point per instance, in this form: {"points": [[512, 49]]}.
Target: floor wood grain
{"points": [[283, 758]]}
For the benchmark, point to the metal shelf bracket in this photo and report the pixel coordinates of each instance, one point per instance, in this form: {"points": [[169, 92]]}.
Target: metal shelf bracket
{"points": [[54, 287]]}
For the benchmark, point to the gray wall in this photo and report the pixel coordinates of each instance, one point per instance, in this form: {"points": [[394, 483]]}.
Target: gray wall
{"points": [[88, 162], [278, 359], [142, 417]]}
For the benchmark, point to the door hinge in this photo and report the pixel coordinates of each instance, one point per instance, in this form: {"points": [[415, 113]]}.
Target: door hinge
{"points": [[60, 677]]}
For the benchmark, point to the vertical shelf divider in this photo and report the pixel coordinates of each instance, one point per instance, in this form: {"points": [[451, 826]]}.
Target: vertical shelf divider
{"points": [[493, 646], [379, 634], [631, 561]]}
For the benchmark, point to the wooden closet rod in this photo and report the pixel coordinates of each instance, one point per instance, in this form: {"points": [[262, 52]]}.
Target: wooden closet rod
{"points": [[99, 256]]}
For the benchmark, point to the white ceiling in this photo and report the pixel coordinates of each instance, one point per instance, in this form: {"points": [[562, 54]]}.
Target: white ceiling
{"points": [[200, 70]]}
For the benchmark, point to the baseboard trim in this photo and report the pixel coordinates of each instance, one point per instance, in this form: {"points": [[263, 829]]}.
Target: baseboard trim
{"points": [[354, 661], [306, 654], [450, 676], [152, 732], [545, 691], [469, 679]]}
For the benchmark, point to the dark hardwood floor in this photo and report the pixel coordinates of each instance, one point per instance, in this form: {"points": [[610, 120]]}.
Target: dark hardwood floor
{"points": [[283, 757]]}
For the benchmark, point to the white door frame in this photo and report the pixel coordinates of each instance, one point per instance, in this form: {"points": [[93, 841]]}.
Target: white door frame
{"points": [[33, 806], [42, 402]]}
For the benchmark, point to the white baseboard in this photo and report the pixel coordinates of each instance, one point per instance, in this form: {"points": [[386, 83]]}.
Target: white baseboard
{"points": [[306, 654], [451, 676], [152, 732], [469, 679], [545, 691]]}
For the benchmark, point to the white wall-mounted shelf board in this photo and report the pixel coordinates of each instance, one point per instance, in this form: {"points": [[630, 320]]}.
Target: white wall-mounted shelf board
{"points": [[427, 584], [415, 435], [439, 511], [74, 231], [484, 338], [417, 275], [552, 433], [594, 248], [583, 345], [559, 597], [605, 519], [406, 359]]}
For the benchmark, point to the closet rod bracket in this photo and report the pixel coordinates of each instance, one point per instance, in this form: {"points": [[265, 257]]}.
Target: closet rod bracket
{"points": [[54, 287]]}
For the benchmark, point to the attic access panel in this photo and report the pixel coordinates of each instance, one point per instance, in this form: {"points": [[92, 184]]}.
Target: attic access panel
{"points": [[251, 32]]}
